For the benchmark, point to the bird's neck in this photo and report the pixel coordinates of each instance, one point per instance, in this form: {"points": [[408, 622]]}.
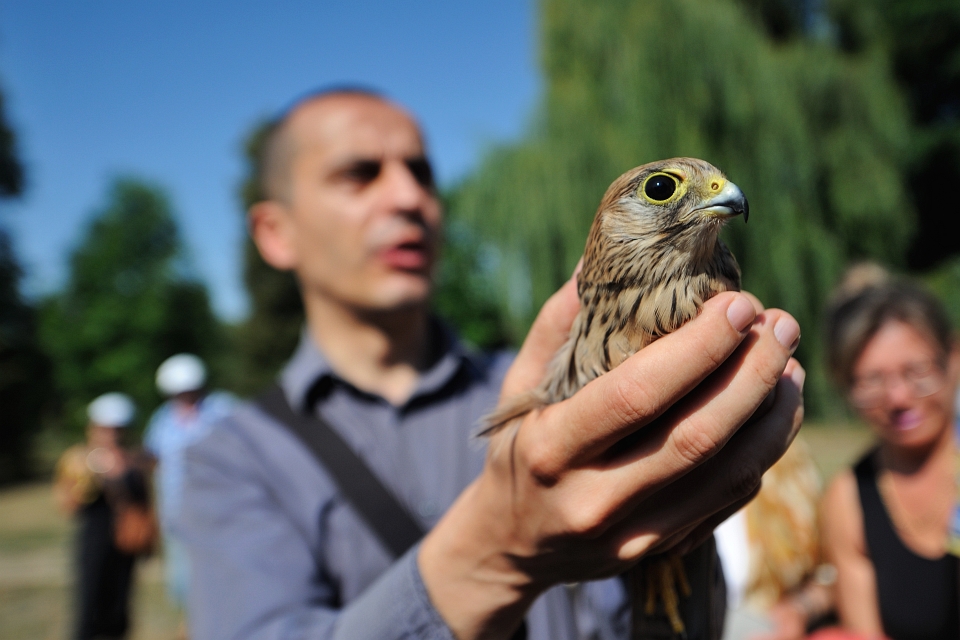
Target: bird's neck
{"points": [[702, 245]]}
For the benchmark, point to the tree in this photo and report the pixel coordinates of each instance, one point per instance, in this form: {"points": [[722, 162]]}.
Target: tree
{"points": [[129, 303], [814, 134], [922, 41], [464, 295], [11, 171], [24, 373]]}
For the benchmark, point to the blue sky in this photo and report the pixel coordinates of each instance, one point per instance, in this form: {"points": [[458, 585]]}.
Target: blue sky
{"points": [[167, 91]]}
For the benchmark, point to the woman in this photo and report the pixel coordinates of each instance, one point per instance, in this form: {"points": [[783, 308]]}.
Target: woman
{"points": [[105, 486], [886, 521]]}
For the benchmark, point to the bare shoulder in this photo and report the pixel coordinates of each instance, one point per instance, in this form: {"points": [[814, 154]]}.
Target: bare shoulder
{"points": [[842, 515]]}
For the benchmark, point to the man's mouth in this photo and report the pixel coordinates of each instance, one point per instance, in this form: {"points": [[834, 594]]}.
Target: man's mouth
{"points": [[408, 256]]}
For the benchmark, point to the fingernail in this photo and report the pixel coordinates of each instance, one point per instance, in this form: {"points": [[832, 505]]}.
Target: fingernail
{"points": [[798, 376], [741, 313], [787, 332]]}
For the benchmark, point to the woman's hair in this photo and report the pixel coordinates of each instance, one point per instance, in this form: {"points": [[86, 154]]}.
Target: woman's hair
{"points": [[865, 300]]}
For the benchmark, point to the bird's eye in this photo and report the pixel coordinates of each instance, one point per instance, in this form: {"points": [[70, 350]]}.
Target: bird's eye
{"points": [[660, 187]]}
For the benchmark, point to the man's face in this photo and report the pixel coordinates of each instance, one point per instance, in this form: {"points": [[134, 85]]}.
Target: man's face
{"points": [[100, 436], [365, 221]]}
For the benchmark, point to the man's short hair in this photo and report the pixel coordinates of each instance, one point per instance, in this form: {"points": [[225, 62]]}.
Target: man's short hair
{"points": [[277, 148]]}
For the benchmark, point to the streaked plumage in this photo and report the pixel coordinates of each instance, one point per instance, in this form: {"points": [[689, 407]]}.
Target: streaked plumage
{"points": [[648, 267], [652, 258]]}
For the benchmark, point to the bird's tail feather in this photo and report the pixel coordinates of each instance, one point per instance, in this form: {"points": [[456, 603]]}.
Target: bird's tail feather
{"points": [[510, 410]]}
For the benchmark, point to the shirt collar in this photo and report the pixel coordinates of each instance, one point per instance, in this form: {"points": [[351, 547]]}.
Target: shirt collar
{"points": [[309, 365]]}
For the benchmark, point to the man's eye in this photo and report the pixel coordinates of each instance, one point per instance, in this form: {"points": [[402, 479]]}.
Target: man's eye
{"points": [[422, 171], [363, 172]]}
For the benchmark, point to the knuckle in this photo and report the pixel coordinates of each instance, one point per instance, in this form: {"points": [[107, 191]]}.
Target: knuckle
{"points": [[769, 376], [744, 481], [798, 417], [712, 350], [693, 443], [585, 518], [543, 461], [634, 401], [769, 372]]}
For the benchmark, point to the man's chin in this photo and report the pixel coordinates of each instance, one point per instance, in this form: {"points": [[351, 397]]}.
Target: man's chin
{"points": [[387, 293], [403, 292]]}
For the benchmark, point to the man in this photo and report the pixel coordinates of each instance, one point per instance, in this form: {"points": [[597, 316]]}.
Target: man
{"points": [[187, 416], [279, 553]]}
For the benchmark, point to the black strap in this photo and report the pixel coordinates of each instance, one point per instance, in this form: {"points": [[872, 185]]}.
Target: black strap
{"points": [[395, 527]]}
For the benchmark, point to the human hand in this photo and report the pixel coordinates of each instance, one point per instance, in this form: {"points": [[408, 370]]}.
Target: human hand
{"points": [[647, 457]]}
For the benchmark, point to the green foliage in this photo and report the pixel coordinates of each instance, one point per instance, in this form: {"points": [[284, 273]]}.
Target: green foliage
{"points": [[922, 40], [24, 370], [945, 283], [11, 171], [814, 135], [127, 306], [464, 295]]}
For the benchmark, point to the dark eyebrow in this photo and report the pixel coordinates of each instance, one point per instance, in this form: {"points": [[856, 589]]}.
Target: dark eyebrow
{"points": [[366, 170], [362, 170]]}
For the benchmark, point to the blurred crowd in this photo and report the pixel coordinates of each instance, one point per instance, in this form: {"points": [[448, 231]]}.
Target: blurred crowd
{"points": [[125, 498]]}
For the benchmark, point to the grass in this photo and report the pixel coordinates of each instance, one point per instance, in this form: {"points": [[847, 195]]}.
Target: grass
{"points": [[836, 446], [35, 552], [35, 573]]}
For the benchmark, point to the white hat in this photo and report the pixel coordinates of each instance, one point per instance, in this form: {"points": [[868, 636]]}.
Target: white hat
{"points": [[111, 410], [181, 373]]}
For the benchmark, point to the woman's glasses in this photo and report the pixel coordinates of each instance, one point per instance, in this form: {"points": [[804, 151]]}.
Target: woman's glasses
{"points": [[921, 378]]}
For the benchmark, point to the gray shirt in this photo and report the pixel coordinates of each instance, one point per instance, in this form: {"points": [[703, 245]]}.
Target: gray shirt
{"points": [[276, 551]]}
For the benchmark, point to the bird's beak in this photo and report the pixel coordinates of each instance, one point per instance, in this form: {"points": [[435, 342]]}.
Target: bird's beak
{"points": [[726, 204]]}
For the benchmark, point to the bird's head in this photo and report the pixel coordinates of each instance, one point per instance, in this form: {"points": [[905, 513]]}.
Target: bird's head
{"points": [[683, 199], [667, 206]]}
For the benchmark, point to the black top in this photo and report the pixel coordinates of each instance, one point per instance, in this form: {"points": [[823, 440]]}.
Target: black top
{"points": [[919, 598]]}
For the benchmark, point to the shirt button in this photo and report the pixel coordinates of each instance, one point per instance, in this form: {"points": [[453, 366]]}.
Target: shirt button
{"points": [[428, 509]]}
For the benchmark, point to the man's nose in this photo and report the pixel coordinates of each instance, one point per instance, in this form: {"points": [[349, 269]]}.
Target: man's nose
{"points": [[402, 189]]}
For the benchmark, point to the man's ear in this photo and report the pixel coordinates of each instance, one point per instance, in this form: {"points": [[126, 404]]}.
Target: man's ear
{"points": [[271, 228]]}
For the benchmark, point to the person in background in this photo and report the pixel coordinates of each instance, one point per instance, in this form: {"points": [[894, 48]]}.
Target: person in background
{"points": [[186, 417], [778, 587], [887, 520], [105, 485]]}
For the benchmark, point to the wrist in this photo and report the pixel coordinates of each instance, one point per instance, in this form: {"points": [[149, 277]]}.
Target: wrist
{"points": [[471, 576]]}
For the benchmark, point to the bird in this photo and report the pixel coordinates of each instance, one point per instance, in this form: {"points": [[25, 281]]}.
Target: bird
{"points": [[653, 256]]}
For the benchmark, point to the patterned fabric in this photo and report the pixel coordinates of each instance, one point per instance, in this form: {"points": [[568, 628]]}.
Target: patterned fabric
{"points": [[782, 525]]}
